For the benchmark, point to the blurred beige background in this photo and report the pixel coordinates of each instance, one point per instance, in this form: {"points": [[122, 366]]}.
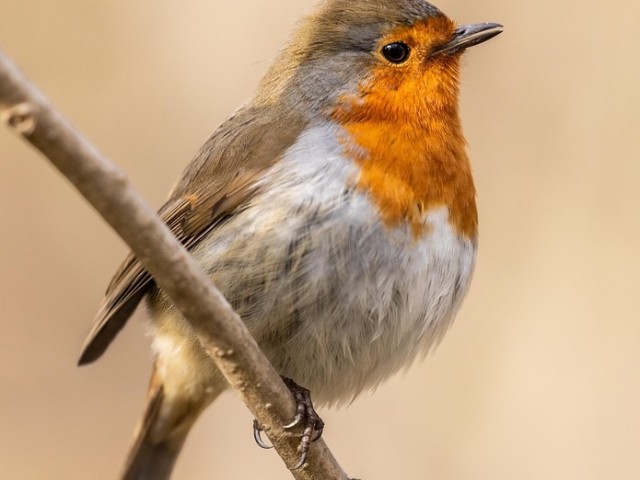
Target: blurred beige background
{"points": [[538, 379]]}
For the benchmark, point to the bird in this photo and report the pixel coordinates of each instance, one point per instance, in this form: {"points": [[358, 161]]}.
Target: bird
{"points": [[335, 210]]}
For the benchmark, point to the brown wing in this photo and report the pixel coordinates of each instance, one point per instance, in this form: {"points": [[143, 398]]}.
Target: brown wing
{"points": [[189, 218], [214, 186]]}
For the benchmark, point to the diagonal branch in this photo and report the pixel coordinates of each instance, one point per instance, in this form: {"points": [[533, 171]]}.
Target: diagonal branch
{"points": [[223, 335]]}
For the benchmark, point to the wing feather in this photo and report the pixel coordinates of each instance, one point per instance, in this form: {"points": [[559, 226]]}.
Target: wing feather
{"points": [[189, 219], [219, 182]]}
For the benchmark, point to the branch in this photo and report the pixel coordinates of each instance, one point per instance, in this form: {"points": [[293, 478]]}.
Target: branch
{"points": [[222, 334]]}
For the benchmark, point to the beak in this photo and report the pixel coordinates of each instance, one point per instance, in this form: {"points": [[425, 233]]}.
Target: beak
{"points": [[467, 36]]}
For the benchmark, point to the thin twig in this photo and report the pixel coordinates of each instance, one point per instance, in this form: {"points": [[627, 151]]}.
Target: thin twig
{"points": [[223, 335]]}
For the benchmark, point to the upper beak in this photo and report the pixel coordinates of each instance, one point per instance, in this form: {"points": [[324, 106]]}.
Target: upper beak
{"points": [[467, 36]]}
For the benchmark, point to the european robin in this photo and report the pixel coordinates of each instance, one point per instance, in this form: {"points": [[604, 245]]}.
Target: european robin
{"points": [[335, 211]]}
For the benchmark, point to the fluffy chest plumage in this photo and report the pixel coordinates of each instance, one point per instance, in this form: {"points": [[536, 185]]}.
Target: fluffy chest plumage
{"points": [[338, 298]]}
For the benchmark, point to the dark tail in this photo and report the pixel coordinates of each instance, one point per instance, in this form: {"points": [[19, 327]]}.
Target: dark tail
{"points": [[160, 435]]}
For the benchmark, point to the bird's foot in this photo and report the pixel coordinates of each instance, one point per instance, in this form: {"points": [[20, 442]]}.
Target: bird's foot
{"points": [[305, 416]]}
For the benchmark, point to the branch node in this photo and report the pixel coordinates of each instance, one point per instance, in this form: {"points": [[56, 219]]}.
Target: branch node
{"points": [[21, 118]]}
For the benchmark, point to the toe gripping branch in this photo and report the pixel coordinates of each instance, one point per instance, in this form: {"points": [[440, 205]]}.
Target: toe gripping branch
{"points": [[305, 415]]}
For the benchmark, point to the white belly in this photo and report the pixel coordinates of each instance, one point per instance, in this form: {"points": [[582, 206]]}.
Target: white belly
{"points": [[337, 300]]}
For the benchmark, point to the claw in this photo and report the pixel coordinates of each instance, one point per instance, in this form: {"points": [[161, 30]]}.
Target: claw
{"points": [[301, 462], [305, 416], [258, 437], [297, 420], [317, 431]]}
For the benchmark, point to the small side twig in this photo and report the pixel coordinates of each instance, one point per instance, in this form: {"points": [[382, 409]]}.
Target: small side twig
{"points": [[225, 338]]}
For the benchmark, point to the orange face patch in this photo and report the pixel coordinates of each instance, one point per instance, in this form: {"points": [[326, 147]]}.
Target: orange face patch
{"points": [[404, 132]]}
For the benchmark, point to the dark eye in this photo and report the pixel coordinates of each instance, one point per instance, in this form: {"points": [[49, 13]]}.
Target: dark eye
{"points": [[396, 52]]}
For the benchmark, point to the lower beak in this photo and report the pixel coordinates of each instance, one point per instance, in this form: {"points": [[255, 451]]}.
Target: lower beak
{"points": [[467, 36]]}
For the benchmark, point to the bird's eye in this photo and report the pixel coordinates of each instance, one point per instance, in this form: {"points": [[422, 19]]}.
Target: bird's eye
{"points": [[396, 52]]}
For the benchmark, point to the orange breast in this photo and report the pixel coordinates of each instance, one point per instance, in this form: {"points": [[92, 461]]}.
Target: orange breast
{"points": [[403, 130]]}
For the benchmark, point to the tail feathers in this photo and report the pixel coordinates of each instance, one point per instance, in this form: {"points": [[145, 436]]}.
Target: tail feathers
{"points": [[160, 435], [151, 459]]}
